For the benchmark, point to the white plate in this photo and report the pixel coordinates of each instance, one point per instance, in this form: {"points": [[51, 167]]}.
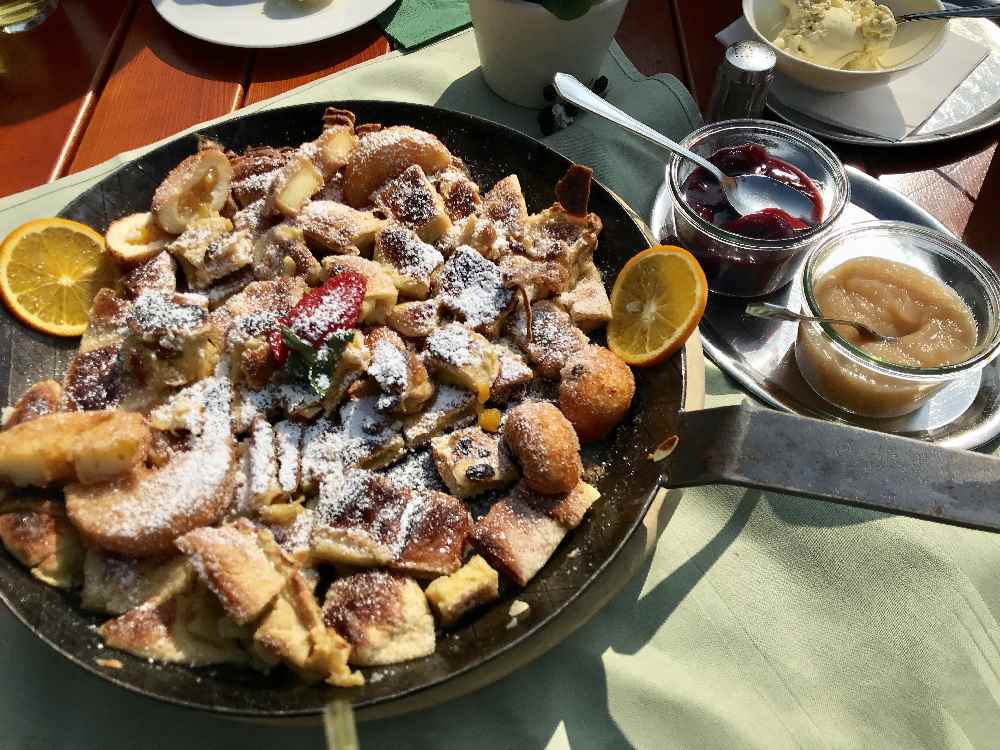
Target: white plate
{"points": [[267, 23]]}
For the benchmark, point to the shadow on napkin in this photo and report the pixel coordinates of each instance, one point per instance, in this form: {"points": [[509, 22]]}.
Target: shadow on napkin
{"points": [[628, 165]]}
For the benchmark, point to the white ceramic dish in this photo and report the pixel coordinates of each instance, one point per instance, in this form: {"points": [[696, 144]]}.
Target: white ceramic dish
{"points": [[974, 106], [522, 45], [915, 44], [267, 23]]}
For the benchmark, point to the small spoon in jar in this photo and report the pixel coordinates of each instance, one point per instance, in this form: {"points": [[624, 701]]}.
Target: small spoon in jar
{"points": [[746, 193], [776, 312]]}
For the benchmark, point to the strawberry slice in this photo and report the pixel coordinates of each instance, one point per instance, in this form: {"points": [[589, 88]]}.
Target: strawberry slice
{"points": [[334, 306]]}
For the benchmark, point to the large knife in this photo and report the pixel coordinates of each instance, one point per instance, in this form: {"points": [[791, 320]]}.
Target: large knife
{"points": [[761, 448]]}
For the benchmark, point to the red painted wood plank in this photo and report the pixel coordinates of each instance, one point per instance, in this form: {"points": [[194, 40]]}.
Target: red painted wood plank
{"points": [[49, 77], [648, 36], [277, 71], [162, 82]]}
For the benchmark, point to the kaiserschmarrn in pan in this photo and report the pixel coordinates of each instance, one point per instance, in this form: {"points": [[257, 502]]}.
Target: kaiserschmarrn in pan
{"points": [[315, 425]]}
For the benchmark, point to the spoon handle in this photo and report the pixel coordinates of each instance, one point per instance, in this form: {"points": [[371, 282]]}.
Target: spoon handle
{"points": [[776, 312], [572, 90], [979, 11]]}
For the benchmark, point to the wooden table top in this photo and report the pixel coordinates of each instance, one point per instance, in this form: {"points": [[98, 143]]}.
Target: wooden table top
{"points": [[100, 77]]}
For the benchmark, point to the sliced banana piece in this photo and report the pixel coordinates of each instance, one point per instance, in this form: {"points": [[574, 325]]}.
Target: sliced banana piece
{"points": [[195, 188], [332, 149], [296, 182], [136, 238]]}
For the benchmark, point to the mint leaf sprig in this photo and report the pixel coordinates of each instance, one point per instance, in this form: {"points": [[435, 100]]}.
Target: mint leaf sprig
{"points": [[314, 366]]}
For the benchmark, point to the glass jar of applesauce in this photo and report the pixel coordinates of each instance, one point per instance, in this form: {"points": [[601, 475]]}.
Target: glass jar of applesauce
{"points": [[938, 297]]}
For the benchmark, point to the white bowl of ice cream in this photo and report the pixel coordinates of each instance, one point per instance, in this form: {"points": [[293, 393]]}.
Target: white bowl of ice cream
{"points": [[845, 45]]}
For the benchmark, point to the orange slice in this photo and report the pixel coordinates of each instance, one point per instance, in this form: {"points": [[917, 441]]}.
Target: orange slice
{"points": [[657, 301], [50, 270]]}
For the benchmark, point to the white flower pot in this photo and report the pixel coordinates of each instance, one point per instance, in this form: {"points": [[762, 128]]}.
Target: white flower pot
{"points": [[521, 45]]}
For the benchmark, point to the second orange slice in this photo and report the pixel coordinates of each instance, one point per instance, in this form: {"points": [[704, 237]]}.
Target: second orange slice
{"points": [[657, 301]]}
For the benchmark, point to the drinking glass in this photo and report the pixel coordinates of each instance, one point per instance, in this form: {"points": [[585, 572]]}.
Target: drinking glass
{"points": [[21, 15]]}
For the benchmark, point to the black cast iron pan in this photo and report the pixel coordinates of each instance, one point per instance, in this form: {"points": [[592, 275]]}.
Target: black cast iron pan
{"points": [[742, 445], [626, 479]]}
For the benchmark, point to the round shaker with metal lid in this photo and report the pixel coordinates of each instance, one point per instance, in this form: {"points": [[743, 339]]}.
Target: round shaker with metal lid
{"points": [[742, 82]]}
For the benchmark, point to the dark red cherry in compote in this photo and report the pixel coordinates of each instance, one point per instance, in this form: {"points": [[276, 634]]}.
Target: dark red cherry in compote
{"points": [[766, 224], [704, 195]]}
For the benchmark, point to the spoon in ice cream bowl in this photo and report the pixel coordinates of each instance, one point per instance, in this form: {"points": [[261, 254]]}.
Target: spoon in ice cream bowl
{"points": [[979, 11], [746, 193], [776, 312]]}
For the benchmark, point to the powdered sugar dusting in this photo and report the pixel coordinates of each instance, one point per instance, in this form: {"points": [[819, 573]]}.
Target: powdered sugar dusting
{"points": [[319, 321], [389, 368], [365, 429], [445, 411], [286, 398], [167, 321], [294, 536], [288, 442], [262, 463], [189, 480], [322, 454], [416, 472], [393, 144], [453, 344], [410, 256], [241, 503], [251, 326], [471, 286], [253, 219], [409, 198]]}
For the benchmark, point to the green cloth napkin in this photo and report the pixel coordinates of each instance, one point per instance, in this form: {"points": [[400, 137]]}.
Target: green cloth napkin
{"points": [[761, 621], [411, 23]]}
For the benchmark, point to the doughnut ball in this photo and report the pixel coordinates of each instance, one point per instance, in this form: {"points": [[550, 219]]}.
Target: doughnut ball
{"points": [[595, 392], [545, 445]]}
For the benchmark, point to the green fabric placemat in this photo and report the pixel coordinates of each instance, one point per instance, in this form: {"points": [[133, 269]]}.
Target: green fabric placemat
{"points": [[761, 621], [412, 23]]}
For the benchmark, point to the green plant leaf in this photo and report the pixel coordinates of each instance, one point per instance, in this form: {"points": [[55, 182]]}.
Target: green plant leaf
{"points": [[301, 356], [314, 366], [567, 10], [326, 360]]}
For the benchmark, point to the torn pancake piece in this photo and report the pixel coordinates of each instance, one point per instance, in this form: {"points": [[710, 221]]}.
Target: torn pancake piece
{"points": [[231, 561], [521, 531], [36, 532], [471, 586], [383, 616], [115, 584], [81, 446], [293, 632], [367, 519], [182, 630], [471, 461]]}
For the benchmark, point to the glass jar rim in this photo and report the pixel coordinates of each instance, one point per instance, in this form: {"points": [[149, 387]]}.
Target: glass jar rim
{"points": [[949, 247], [830, 160]]}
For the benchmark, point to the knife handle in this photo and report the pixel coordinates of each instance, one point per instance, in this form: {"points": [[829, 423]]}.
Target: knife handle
{"points": [[766, 449]]}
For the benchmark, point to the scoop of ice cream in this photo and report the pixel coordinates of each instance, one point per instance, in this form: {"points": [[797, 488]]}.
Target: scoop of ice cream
{"points": [[850, 34], [878, 28]]}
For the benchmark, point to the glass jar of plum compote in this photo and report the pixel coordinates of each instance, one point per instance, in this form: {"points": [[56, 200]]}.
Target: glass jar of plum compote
{"points": [[752, 256]]}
